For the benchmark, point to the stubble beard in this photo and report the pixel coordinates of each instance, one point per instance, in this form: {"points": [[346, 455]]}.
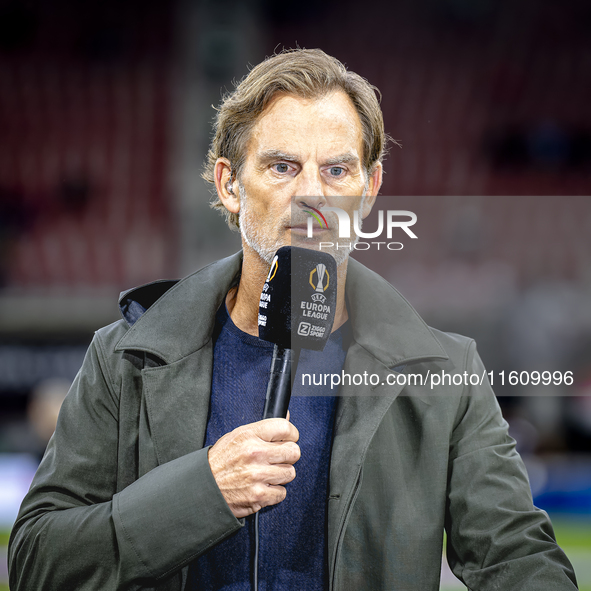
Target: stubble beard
{"points": [[255, 233]]}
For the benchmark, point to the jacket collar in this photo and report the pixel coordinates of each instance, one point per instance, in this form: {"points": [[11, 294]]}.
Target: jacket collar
{"points": [[182, 320]]}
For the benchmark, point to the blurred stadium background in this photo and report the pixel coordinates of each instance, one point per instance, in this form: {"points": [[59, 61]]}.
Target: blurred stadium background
{"points": [[105, 113]]}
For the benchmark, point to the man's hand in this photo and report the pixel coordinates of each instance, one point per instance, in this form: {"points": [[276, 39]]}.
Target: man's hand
{"points": [[251, 463]]}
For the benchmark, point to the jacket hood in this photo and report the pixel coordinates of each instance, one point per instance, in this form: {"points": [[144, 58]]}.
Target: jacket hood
{"points": [[171, 319]]}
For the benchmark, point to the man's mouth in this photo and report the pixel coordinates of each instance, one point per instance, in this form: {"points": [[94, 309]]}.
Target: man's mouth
{"points": [[302, 229]]}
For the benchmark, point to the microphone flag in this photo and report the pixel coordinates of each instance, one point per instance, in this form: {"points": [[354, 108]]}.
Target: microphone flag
{"points": [[298, 302]]}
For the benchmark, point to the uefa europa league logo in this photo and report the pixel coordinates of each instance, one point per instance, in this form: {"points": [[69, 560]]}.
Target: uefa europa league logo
{"points": [[320, 270], [322, 276]]}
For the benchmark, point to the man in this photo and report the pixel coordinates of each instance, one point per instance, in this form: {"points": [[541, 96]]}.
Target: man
{"points": [[131, 495]]}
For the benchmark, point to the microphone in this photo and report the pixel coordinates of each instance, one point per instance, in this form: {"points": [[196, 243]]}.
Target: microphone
{"points": [[296, 311]]}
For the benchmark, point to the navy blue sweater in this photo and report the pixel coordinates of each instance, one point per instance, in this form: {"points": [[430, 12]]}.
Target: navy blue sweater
{"points": [[292, 534]]}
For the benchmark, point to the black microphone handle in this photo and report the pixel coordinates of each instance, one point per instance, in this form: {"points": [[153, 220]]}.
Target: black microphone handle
{"points": [[282, 375]]}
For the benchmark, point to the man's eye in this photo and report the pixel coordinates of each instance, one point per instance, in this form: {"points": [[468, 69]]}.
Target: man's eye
{"points": [[336, 171], [281, 167]]}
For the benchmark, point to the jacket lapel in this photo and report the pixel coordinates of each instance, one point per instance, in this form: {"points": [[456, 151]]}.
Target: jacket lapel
{"points": [[177, 330], [177, 402]]}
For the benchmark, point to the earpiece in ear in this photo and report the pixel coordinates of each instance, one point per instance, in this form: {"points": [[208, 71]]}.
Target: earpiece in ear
{"points": [[229, 188]]}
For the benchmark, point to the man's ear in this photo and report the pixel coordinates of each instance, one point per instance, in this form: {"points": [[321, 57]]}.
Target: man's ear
{"points": [[373, 188], [226, 186]]}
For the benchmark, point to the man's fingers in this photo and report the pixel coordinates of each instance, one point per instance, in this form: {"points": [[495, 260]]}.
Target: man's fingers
{"points": [[251, 463], [286, 452], [271, 495], [277, 430], [281, 475]]}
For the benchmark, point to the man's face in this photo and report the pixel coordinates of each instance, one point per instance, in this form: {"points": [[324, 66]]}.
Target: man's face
{"points": [[302, 154]]}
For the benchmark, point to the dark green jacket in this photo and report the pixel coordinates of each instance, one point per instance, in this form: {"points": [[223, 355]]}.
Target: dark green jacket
{"points": [[124, 497]]}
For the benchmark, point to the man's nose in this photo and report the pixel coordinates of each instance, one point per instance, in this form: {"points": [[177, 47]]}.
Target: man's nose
{"points": [[309, 190]]}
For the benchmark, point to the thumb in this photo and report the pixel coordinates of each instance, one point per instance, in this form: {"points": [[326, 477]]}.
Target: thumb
{"points": [[276, 430]]}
